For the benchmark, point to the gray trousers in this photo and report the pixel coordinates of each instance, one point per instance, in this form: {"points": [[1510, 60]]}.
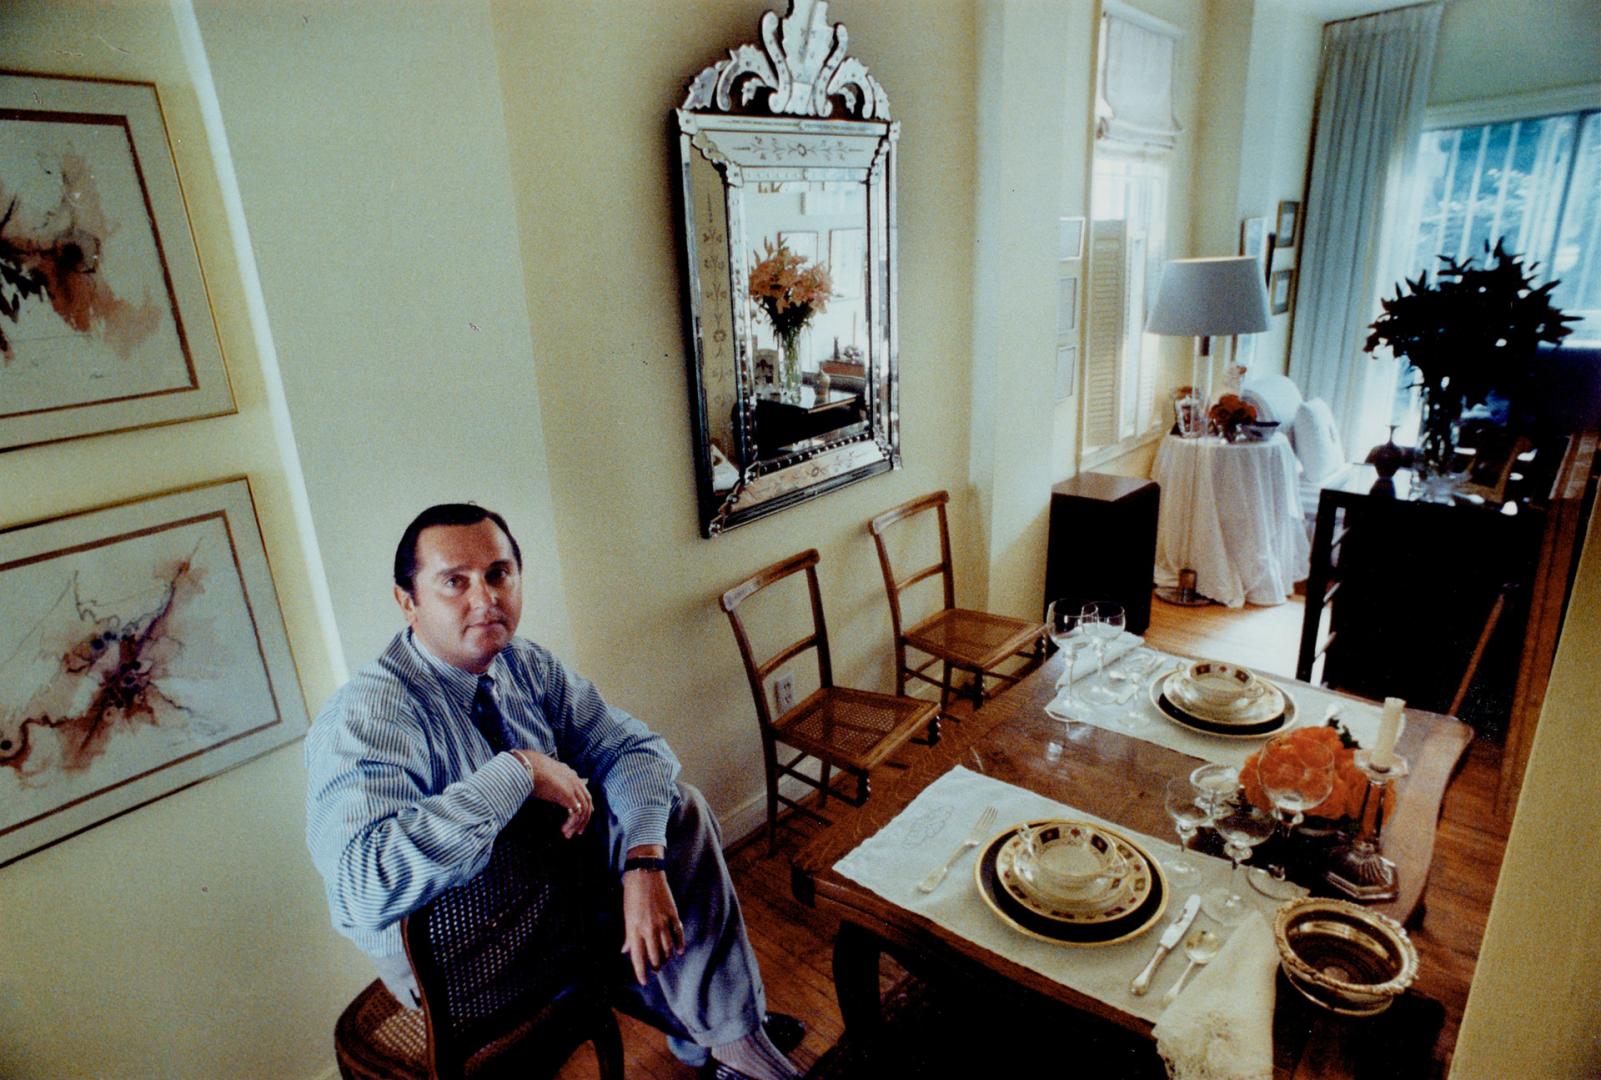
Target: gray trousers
{"points": [[710, 996]]}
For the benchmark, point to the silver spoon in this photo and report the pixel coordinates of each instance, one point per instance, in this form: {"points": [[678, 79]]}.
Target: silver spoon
{"points": [[1201, 946]]}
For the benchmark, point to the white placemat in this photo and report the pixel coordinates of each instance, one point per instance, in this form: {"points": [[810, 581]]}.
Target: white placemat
{"points": [[1311, 705], [898, 856]]}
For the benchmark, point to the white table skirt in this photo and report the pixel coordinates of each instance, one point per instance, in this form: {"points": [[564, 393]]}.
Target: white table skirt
{"points": [[1232, 513]]}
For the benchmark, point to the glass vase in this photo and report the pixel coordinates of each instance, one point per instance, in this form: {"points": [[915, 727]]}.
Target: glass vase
{"points": [[789, 369], [1434, 460]]}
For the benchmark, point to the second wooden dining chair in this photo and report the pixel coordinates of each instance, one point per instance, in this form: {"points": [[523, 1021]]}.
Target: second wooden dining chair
{"points": [[973, 641], [853, 730]]}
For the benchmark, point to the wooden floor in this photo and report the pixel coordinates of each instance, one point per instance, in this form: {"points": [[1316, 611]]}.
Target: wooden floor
{"points": [[793, 942]]}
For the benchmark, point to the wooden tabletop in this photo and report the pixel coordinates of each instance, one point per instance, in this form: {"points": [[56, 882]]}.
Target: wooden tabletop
{"points": [[1102, 772]]}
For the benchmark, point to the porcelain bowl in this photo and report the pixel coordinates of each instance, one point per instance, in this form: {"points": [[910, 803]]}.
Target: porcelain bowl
{"points": [[1342, 956], [1070, 861], [1221, 686]]}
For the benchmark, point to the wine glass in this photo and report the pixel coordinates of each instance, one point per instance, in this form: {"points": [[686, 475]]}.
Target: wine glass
{"points": [[1064, 623], [1242, 826], [1189, 813], [1215, 782], [1103, 622], [1296, 775]]}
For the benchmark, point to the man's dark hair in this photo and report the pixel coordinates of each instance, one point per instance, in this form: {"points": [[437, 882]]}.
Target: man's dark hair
{"points": [[442, 514]]}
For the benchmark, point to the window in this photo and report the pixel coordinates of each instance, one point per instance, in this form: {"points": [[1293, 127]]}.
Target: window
{"points": [[1533, 183], [1128, 208]]}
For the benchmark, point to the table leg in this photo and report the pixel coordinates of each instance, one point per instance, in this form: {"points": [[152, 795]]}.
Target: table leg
{"points": [[856, 953]]}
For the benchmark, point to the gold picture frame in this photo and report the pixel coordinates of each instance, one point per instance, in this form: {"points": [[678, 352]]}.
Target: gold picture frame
{"points": [[105, 321]]}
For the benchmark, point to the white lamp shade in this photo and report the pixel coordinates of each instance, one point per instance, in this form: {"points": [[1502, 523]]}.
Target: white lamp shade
{"points": [[1210, 298]]}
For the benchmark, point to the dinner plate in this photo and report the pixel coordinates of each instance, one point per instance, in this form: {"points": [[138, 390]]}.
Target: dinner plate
{"points": [[1023, 918], [1176, 713], [1112, 905]]}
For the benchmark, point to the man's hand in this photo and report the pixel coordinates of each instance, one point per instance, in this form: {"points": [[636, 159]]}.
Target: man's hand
{"points": [[556, 783], [652, 933]]}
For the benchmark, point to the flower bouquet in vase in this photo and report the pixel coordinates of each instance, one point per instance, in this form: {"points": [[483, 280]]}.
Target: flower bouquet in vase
{"points": [[1343, 810], [789, 291], [1471, 331]]}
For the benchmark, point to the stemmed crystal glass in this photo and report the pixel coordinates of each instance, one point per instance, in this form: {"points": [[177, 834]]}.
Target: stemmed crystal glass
{"points": [[1189, 813], [1064, 623], [1103, 622], [1296, 775], [1242, 826]]}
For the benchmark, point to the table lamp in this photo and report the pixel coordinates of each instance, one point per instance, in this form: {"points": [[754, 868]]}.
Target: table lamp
{"points": [[1203, 299]]}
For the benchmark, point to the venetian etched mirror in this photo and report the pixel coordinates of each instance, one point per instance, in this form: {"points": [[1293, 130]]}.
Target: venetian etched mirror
{"points": [[786, 183]]}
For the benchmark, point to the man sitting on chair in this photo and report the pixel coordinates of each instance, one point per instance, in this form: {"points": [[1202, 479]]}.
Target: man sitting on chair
{"points": [[417, 763]]}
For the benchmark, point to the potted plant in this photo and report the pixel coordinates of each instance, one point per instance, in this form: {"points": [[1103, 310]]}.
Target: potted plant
{"points": [[1472, 330]]}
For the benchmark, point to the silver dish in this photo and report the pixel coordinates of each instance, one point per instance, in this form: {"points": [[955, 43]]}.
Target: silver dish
{"points": [[1342, 956]]}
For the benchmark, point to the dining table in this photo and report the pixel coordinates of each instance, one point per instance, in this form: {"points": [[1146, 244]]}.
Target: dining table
{"points": [[1102, 764]]}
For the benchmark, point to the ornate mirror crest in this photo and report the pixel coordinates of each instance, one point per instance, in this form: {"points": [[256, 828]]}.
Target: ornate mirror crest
{"points": [[786, 192]]}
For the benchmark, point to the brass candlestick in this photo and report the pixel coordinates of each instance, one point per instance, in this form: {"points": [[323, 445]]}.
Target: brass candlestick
{"points": [[1358, 869]]}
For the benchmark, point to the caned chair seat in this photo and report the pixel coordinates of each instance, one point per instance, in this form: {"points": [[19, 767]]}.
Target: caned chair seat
{"points": [[853, 730], [972, 639], [977, 642], [376, 1038]]}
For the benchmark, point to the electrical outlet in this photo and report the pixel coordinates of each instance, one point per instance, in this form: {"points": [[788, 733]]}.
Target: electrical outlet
{"points": [[784, 693]]}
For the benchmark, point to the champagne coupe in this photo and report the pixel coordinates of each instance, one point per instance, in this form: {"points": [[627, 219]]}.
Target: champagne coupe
{"points": [[1215, 782], [1189, 813], [1296, 776], [1242, 826], [1064, 623], [1103, 622]]}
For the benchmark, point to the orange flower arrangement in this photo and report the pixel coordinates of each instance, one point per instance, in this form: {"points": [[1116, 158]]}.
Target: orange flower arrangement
{"points": [[788, 290], [1350, 786], [1229, 413]]}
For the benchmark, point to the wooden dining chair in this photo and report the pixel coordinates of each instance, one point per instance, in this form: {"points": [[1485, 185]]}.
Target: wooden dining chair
{"points": [[852, 730], [509, 967], [976, 642]]}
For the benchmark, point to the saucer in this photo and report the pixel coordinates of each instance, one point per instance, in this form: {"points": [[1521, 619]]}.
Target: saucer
{"points": [[1180, 692], [1181, 716]]}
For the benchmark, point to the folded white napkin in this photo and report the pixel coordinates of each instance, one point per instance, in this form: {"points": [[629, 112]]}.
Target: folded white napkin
{"points": [[1084, 662], [1221, 1026]]}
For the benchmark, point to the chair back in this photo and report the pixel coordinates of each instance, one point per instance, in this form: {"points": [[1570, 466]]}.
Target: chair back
{"points": [[757, 670], [509, 962], [881, 524]]}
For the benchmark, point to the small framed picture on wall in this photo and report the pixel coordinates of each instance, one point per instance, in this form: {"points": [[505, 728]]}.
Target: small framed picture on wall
{"points": [[1280, 290], [1289, 221]]}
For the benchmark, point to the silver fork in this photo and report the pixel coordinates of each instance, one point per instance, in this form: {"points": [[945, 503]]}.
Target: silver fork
{"points": [[986, 821]]}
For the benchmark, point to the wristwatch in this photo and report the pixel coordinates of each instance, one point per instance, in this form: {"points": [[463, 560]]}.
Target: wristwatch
{"points": [[644, 862]]}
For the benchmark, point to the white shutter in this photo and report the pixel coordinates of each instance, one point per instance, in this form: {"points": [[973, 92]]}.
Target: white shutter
{"points": [[1107, 317]]}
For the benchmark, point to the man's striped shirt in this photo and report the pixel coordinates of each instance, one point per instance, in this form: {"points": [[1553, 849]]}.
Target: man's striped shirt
{"points": [[404, 798]]}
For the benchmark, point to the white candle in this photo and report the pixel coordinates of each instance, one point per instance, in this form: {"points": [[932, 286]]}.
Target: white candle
{"points": [[1389, 728]]}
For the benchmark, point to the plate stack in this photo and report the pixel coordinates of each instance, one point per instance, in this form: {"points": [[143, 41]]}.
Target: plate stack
{"points": [[1222, 699], [1071, 882]]}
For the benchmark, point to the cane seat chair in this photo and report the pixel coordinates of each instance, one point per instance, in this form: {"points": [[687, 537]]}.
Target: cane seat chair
{"points": [[508, 965], [852, 730], [956, 638]]}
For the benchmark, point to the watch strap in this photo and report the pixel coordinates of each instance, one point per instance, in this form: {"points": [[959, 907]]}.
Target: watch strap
{"points": [[644, 862]]}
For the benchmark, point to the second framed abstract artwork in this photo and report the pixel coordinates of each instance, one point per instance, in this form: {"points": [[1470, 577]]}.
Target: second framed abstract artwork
{"points": [[105, 323], [142, 651]]}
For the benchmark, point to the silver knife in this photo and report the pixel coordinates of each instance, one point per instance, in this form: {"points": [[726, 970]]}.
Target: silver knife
{"points": [[1170, 937]]}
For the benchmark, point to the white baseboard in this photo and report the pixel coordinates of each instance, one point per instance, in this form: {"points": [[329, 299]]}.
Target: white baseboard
{"points": [[750, 816]]}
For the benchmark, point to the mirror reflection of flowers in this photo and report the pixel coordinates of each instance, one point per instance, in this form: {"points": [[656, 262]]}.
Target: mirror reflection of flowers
{"points": [[789, 292]]}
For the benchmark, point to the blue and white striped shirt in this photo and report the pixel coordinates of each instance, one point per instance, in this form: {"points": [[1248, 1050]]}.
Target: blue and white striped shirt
{"points": [[404, 798]]}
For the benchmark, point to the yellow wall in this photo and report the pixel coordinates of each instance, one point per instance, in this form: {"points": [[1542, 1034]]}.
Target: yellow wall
{"points": [[1492, 48], [1535, 1006], [587, 91], [188, 938]]}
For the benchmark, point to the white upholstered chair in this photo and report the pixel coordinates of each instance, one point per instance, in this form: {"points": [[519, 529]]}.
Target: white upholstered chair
{"points": [[1309, 425]]}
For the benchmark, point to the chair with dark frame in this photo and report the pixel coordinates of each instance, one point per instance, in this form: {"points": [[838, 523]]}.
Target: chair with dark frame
{"points": [[852, 730], [509, 966], [976, 642]]}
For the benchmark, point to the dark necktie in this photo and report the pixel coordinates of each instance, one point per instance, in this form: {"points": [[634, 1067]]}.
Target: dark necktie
{"points": [[486, 716]]}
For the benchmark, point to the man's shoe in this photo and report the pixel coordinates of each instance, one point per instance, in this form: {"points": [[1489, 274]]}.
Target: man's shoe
{"points": [[784, 1031]]}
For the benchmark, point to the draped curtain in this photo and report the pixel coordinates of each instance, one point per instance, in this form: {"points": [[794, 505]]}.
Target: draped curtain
{"points": [[1373, 84]]}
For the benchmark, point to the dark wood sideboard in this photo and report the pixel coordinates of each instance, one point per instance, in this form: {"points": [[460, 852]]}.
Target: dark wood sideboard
{"points": [[1103, 543]]}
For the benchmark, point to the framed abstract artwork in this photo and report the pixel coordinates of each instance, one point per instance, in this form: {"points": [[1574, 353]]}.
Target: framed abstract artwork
{"points": [[142, 651], [105, 324]]}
